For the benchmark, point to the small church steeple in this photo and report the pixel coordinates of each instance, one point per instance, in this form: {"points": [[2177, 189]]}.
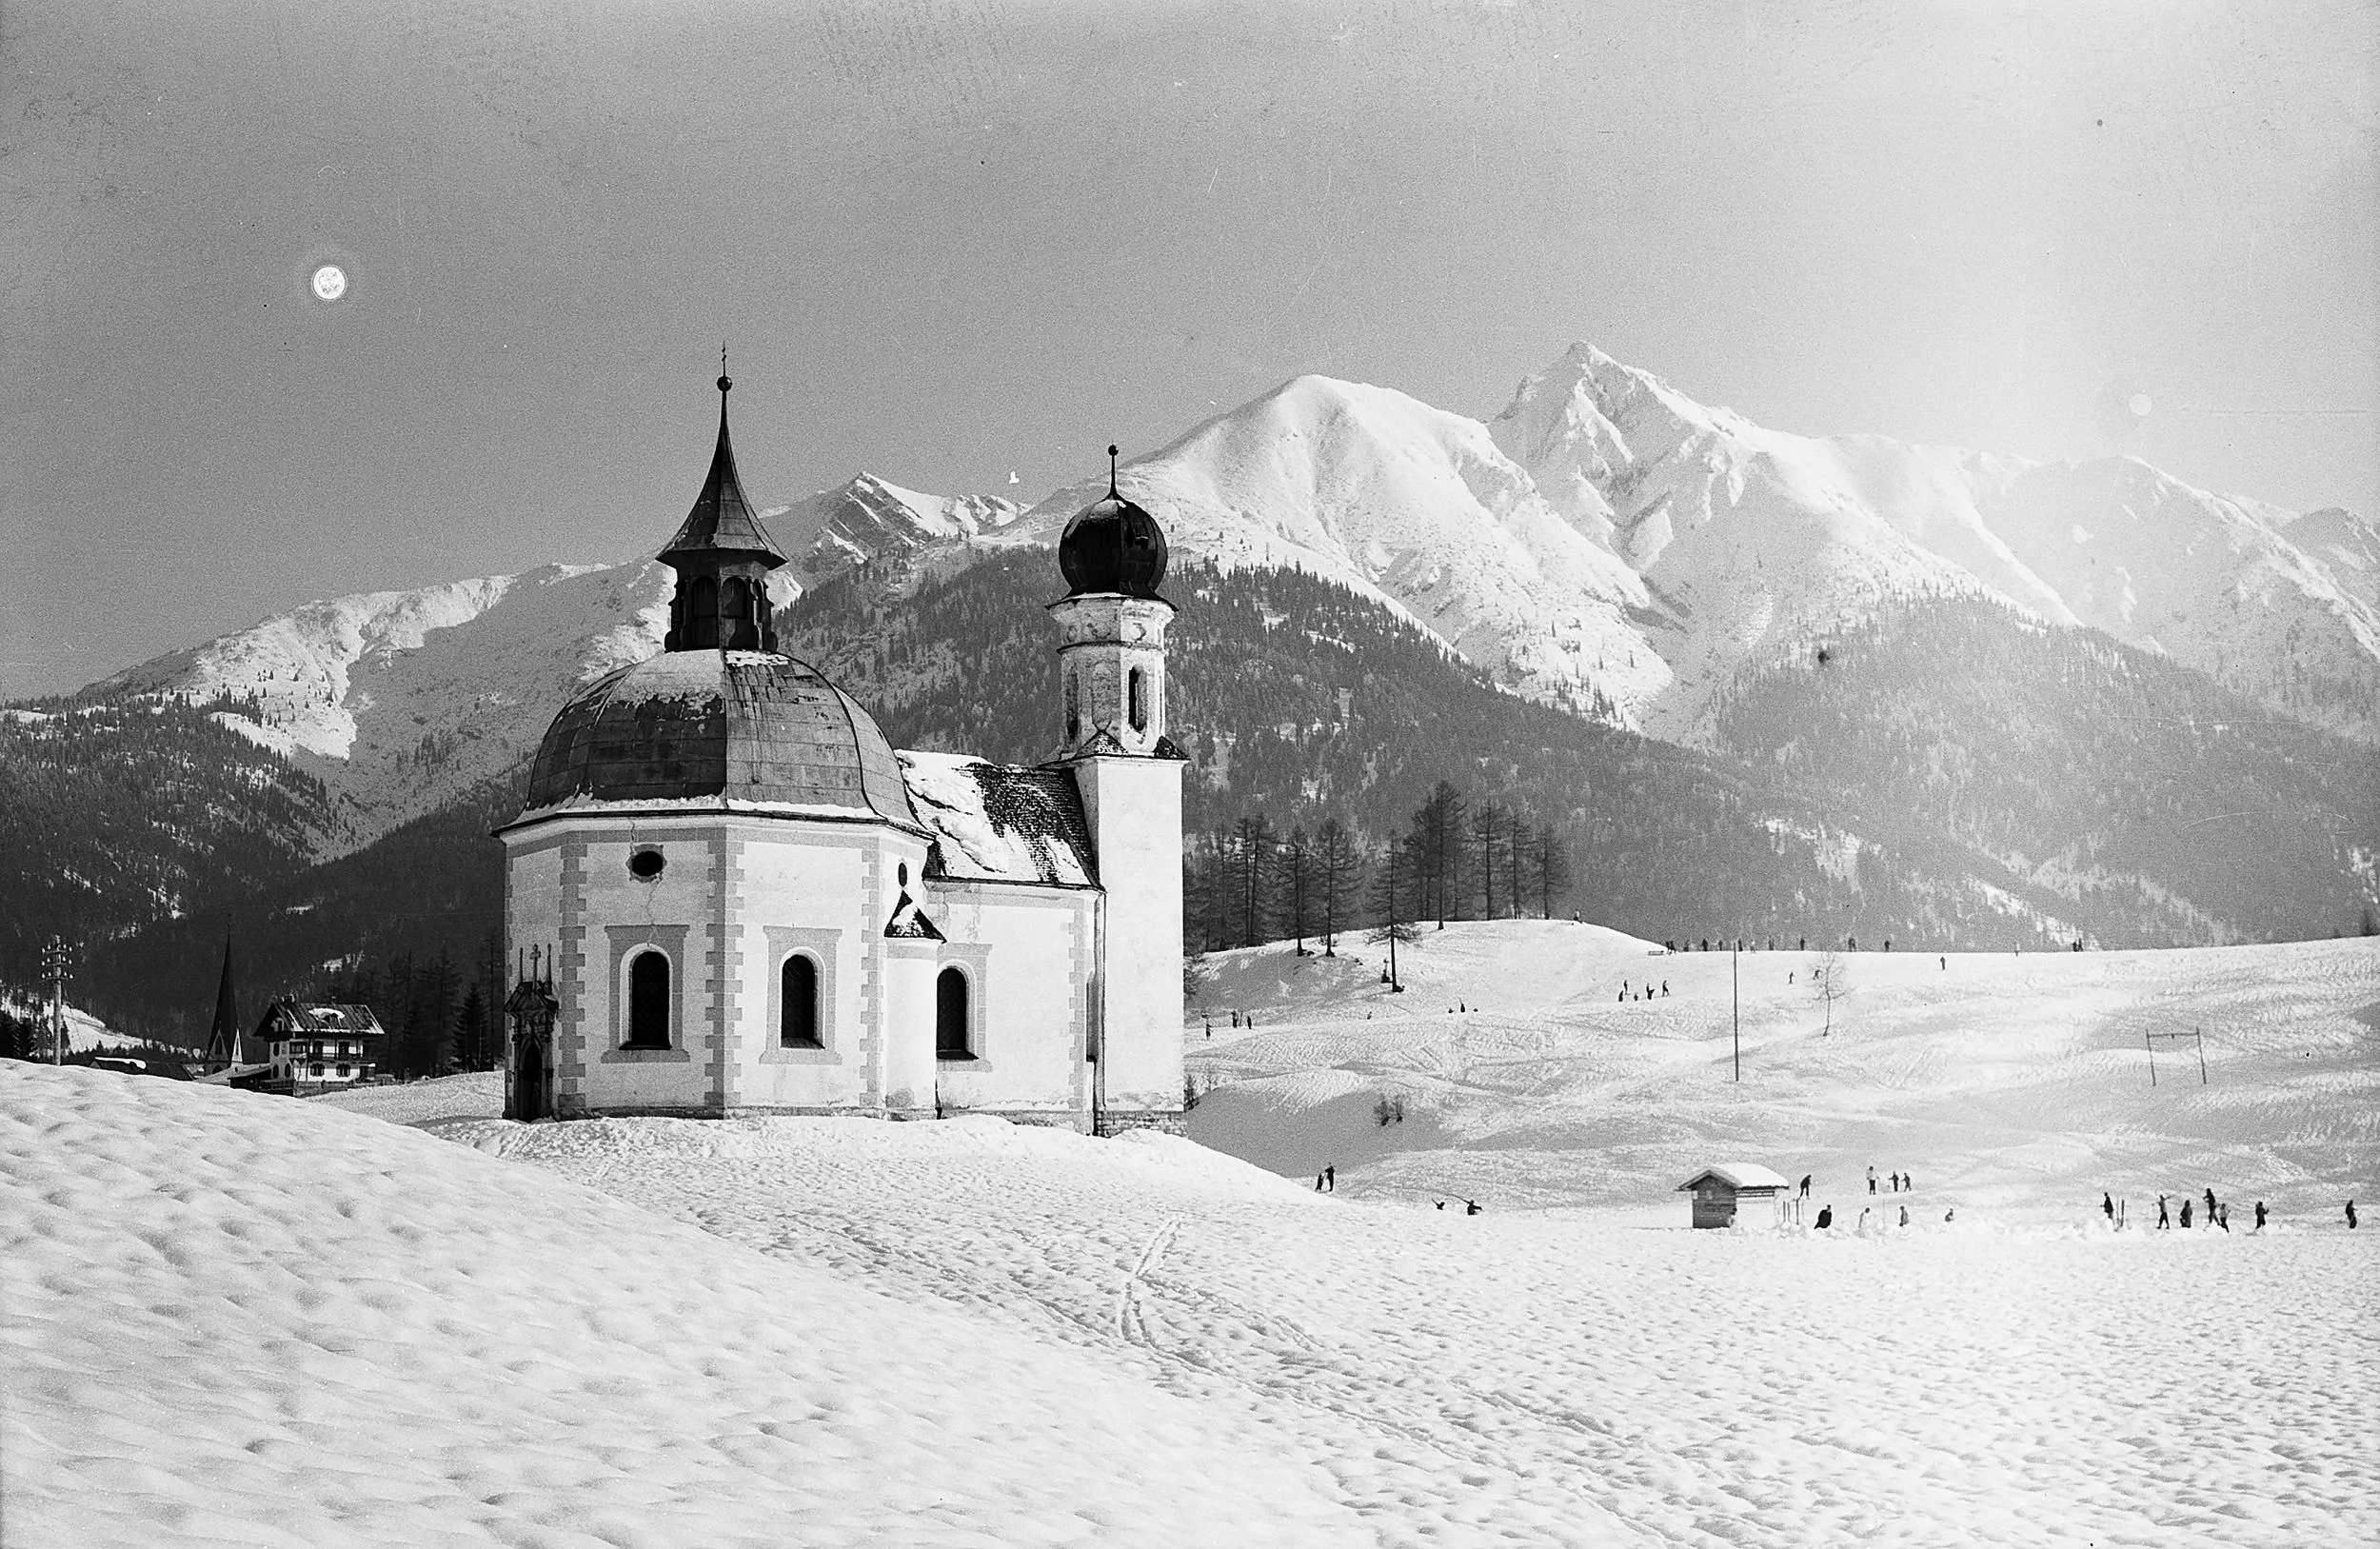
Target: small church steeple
{"points": [[723, 556]]}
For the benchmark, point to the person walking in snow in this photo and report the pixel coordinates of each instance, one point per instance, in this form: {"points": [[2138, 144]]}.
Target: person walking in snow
{"points": [[1872, 1180], [1442, 1205], [2351, 1215], [2107, 1203], [2210, 1205], [1318, 1183], [1471, 1207], [1805, 1185], [1826, 1217], [1330, 1179], [2165, 1222], [2260, 1214], [1904, 1218], [2184, 1215], [1665, 986], [2222, 1215]]}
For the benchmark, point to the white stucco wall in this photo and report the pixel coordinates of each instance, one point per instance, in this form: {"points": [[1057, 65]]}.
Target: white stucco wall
{"points": [[1026, 951], [1133, 809]]}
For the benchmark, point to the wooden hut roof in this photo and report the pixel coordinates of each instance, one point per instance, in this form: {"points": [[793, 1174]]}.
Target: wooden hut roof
{"points": [[1738, 1175]]}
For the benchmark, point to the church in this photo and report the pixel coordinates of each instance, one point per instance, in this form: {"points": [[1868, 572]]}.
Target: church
{"points": [[741, 899]]}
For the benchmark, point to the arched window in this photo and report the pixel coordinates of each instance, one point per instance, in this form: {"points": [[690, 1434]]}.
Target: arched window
{"points": [[950, 1017], [648, 1002], [798, 1023], [706, 597], [1139, 697]]}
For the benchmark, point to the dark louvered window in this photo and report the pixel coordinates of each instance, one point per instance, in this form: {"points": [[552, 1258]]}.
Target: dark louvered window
{"points": [[950, 1017], [648, 1002], [798, 985]]}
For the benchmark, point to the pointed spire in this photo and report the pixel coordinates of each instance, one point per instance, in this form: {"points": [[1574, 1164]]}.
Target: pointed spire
{"points": [[223, 1039], [722, 519], [1111, 472]]}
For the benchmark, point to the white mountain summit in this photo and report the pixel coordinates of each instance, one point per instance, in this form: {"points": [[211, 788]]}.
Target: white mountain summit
{"points": [[1605, 543]]}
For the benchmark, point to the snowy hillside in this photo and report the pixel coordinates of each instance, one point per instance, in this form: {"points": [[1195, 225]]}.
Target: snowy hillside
{"points": [[2014, 1088], [237, 1318]]}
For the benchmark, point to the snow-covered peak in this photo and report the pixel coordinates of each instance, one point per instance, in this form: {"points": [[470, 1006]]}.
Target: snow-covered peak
{"points": [[869, 518]]}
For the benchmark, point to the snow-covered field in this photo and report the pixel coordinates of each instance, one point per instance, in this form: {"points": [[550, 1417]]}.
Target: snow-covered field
{"points": [[234, 1319]]}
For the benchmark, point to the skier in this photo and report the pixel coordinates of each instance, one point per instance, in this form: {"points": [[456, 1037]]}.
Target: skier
{"points": [[2210, 1205], [2165, 1222], [2351, 1215], [1805, 1185], [1330, 1179], [1826, 1217], [2107, 1202], [2184, 1215], [1471, 1207], [1909, 1183], [2260, 1214], [1872, 1180]]}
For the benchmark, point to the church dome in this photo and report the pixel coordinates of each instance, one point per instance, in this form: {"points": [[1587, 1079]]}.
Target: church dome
{"points": [[734, 726], [1112, 545]]}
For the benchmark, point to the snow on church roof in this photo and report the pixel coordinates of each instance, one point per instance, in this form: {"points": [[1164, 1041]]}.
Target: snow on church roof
{"points": [[1000, 822]]}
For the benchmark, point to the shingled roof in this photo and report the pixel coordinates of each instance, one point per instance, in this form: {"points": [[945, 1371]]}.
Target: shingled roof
{"points": [[1001, 823], [721, 518]]}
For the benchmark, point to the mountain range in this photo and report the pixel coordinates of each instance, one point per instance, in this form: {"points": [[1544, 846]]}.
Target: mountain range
{"points": [[1604, 545]]}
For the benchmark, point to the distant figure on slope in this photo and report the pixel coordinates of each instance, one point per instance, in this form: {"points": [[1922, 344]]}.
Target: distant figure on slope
{"points": [[2260, 1214], [1442, 1205], [1872, 1180], [1665, 986], [2107, 1203], [1318, 1183], [1330, 1178], [2351, 1215], [1805, 1185], [2223, 1217], [1826, 1217], [1952, 1214], [2184, 1215], [1904, 1216], [1946, 965], [1471, 1207], [2165, 1222], [2210, 1205]]}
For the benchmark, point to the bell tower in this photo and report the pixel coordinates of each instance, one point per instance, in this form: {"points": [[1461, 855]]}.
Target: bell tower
{"points": [[1111, 666], [1111, 623], [723, 556]]}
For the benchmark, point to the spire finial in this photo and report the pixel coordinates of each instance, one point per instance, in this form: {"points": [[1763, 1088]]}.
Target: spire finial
{"points": [[1111, 472], [723, 384]]}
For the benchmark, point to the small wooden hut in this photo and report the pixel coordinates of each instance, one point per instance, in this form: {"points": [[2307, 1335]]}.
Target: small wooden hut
{"points": [[1719, 1191]]}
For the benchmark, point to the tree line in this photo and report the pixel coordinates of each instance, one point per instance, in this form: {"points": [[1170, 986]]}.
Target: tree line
{"points": [[1456, 859]]}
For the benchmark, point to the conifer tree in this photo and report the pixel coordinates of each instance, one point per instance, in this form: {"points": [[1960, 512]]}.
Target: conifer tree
{"points": [[1298, 881], [1339, 867], [1553, 870]]}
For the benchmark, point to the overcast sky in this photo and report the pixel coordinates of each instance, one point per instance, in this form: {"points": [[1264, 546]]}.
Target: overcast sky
{"points": [[954, 239]]}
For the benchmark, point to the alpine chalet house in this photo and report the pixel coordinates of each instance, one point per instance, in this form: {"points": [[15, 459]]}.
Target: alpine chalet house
{"points": [[319, 1048], [747, 902]]}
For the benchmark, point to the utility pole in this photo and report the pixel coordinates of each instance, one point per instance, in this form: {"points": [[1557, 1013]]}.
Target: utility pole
{"points": [[1735, 996], [53, 965]]}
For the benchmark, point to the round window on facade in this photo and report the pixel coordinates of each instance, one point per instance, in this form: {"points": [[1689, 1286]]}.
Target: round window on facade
{"points": [[645, 864]]}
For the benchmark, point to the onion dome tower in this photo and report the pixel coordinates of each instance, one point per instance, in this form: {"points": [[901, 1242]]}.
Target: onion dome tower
{"points": [[1111, 665], [723, 556], [1112, 623]]}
